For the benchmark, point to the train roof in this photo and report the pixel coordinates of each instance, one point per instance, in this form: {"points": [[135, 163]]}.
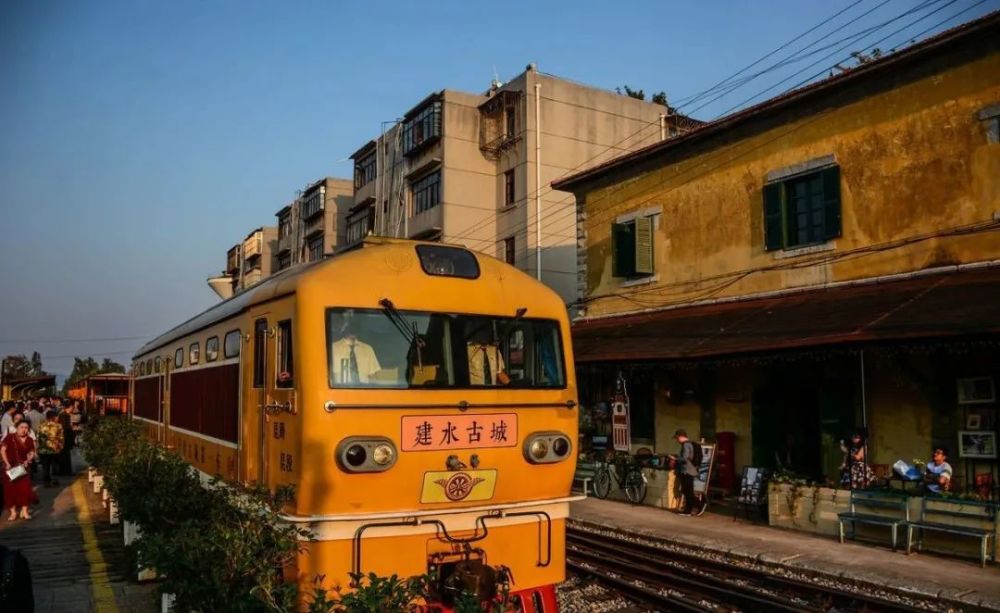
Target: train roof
{"points": [[287, 281]]}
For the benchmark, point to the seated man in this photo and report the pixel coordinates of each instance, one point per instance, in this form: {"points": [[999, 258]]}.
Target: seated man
{"points": [[937, 475], [353, 360], [486, 365]]}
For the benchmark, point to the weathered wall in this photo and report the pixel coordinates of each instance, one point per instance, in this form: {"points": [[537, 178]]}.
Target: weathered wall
{"points": [[914, 160]]}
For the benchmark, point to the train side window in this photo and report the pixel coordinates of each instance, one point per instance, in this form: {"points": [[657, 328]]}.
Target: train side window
{"points": [[149, 366], [179, 357], [157, 364], [231, 344], [259, 348], [284, 371], [142, 368], [212, 349], [195, 354]]}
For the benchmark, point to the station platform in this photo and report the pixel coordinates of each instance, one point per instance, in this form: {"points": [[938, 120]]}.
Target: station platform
{"points": [[77, 558], [955, 582]]}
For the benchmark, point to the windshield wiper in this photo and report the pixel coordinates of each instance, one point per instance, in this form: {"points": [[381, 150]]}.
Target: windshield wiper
{"points": [[406, 328]]}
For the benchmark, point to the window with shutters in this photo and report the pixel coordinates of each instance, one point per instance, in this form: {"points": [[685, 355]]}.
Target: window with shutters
{"points": [[802, 210], [632, 248]]}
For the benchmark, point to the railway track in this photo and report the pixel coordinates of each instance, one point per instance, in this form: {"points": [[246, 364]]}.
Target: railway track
{"points": [[668, 580]]}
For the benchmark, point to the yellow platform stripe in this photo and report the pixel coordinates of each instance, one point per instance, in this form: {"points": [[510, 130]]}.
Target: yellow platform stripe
{"points": [[104, 596]]}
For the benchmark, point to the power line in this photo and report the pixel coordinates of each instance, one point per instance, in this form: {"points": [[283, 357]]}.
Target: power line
{"points": [[71, 340]]}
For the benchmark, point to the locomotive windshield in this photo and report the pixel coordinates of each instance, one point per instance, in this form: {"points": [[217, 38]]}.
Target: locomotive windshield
{"points": [[386, 348]]}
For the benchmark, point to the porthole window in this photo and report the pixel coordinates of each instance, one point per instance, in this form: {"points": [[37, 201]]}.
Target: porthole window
{"points": [[195, 354], [212, 349], [157, 364], [232, 344], [179, 357]]}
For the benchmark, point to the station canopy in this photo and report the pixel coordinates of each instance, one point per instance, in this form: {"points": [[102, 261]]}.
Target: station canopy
{"points": [[929, 306]]}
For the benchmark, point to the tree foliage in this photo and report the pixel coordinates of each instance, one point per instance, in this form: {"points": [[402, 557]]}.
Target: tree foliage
{"points": [[659, 97], [85, 367], [21, 366]]}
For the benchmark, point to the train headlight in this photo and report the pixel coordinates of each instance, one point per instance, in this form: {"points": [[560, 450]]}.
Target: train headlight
{"points": [[383, 454], [539, 448], [547, 447], [366, 454]]}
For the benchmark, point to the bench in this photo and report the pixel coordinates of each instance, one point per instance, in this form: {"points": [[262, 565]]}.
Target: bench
{"points": [[584, 475], [935, 511], [876, 508]]}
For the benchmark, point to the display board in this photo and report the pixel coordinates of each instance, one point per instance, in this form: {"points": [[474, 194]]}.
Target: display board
{"points": [[705, 470]]}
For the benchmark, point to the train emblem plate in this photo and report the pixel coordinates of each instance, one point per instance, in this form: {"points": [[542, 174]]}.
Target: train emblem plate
{"points": [[457, 486]]}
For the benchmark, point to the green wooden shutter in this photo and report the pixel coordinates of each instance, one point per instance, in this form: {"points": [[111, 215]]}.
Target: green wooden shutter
{"points": [[644, 246], [831, 201], [622, 250], [774, 226]]}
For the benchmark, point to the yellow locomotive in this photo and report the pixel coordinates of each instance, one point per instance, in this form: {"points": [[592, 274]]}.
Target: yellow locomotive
{"points": [[420, 397]]}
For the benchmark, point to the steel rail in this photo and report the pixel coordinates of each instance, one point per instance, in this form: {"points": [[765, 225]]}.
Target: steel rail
{"points": [[727, 576]]}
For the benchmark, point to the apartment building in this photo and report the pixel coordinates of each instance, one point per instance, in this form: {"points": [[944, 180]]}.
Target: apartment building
{"points": [[476, 169], [312, 226], [249, 262]]}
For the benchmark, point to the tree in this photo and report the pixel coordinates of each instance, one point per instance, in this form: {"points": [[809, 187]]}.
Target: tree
{"points": [[659, 98], [85, 367], [18, 367], [638, 94]]}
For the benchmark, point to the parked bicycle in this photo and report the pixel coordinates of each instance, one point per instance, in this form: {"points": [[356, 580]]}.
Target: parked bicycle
{"points": [[627, 473]]}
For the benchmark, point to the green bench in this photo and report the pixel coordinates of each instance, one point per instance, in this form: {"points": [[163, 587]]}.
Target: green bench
{"points": [[876, 508], [934, 511], [584, 475]]}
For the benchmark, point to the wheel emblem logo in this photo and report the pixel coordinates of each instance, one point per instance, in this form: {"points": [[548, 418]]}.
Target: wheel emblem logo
{"points": [[459, 485]]}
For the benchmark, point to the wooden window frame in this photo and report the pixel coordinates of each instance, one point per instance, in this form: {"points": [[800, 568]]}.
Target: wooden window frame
{"points": [[632, 253], [284, 358], [781, 227], [509, 189]]}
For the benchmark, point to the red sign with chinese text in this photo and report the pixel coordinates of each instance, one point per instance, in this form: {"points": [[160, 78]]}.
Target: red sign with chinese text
{"points": [[440, 432]]}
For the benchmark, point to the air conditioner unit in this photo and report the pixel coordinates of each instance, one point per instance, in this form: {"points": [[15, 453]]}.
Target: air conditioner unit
{"points": [[976, 390]]}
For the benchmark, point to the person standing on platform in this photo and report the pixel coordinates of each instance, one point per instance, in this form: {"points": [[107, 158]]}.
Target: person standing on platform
{"points": [[855, 472], [50, 444], [69, 440], [687, 462], [18, 450], [35, 416], [7, 420]]}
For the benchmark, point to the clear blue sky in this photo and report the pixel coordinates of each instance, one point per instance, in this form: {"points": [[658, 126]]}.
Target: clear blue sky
{"points": [[139, 140]]}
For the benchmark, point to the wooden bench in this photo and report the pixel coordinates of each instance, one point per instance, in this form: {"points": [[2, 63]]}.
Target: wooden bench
{"points": [[876, 508], [584, 475], [934, 511]]}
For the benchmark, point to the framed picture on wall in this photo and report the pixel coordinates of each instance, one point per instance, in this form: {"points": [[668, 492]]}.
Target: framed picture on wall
{"points": [[977, 444], [974, 421], [976, 390]]}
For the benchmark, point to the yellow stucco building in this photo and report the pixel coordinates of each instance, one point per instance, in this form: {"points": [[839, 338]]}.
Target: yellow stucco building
{"points": [[825, 261]]}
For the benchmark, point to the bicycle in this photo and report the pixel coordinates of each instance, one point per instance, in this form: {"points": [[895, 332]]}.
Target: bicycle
{"points": [[627, 473]]}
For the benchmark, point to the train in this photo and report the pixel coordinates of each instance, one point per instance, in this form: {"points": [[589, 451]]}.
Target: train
{"points": [[420, 397]]}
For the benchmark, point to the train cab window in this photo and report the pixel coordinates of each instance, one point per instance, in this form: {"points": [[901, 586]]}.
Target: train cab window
{"points": [[259, 351], [179, 357], [194, 354], [231, 343], [388, 348], [284, 372], [157, 364], [212, 349]]}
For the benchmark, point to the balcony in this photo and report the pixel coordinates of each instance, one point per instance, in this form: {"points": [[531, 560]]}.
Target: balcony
{"points": [[253, 246], [253, 277], [233, 260], [284, 244], [314, 225], [313, 204]]}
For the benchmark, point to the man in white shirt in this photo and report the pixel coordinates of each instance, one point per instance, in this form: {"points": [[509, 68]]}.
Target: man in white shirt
{"points": [[354, 361]]}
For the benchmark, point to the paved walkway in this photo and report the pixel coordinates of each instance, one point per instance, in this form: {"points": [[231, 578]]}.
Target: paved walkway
{"points": [[76, 557], [956, 580]]}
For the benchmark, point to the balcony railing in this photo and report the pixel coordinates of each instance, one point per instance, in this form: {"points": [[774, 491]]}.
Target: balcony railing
{"points": [[284, 244], [253, 277], [314, 226]]}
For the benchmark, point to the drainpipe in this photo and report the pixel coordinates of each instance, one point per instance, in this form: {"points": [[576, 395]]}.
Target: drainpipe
{"points": [[538, 181], [663, 126]]}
